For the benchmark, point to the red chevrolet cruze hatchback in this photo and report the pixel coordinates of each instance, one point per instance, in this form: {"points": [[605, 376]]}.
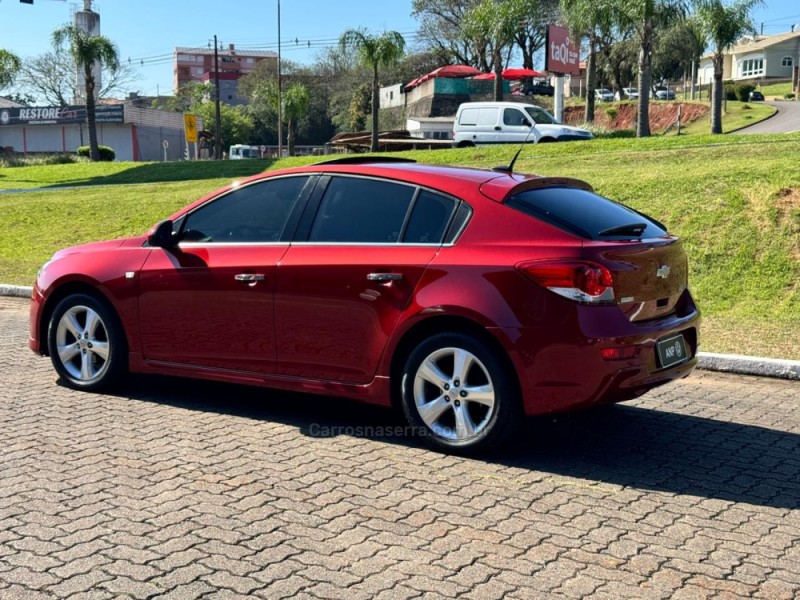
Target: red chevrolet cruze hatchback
{"points": [[468, 297]]}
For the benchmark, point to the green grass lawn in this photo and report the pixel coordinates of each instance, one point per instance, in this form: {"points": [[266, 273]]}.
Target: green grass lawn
{"points": [[776, 89], [735, 201], [736, 116]]}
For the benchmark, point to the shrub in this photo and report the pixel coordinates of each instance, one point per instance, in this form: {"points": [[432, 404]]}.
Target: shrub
{"points": [[38, 161], [743, 91], [106, 153], [611, 112], [789, 96]]}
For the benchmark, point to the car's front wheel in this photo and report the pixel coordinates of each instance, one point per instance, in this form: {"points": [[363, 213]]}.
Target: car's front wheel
{"points": [[86, 343], [458, 394]]}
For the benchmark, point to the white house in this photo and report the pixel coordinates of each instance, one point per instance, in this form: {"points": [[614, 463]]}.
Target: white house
{"points": [[756, 58]]}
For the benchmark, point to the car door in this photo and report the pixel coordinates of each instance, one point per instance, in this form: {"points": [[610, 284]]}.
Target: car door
{"points": [[516, 126], [341, 288], [209, 301]]}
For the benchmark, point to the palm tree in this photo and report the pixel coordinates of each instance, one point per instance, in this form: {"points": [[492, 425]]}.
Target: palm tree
{"points": [[9, 65], [644, 16], [591, 19], [295, 105], [87, 50], [374, 51], [723, 25]]}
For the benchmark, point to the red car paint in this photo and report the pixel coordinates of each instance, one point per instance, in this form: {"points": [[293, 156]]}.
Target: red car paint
{"points": [[315, 323]]}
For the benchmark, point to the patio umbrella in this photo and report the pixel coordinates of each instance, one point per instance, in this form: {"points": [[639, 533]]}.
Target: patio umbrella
{"points": [[453, 71], [511, 74]]}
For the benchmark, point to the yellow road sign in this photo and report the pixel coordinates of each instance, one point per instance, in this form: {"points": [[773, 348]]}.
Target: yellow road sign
{"points": [[190, 126]]}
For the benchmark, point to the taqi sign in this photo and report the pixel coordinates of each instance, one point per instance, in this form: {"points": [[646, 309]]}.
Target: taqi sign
{"points": [[562, 55]]}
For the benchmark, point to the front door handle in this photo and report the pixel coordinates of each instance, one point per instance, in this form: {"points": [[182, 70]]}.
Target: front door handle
{"points": [[384, 277], [498, 128], [249, 277]]}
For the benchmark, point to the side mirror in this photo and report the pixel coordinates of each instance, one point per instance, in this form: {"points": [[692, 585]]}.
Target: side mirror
{"points": [[160, 236]]}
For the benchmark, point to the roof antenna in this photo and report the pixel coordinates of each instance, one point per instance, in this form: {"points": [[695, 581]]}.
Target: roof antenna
{"points": [[510, 167]]}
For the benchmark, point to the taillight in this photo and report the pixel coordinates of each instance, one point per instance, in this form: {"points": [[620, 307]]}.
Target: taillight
{"points": [[578, 280]]}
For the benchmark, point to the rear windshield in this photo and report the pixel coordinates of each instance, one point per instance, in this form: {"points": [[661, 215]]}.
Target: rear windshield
{"points": [[586, 214]]}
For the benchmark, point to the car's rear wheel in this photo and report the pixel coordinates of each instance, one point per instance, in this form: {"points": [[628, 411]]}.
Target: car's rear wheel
{"points": [[458, 394], [466, 145], [86, 342]]}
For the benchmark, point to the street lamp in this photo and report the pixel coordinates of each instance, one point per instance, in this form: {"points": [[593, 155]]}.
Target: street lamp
{"points": [[280, 91]]}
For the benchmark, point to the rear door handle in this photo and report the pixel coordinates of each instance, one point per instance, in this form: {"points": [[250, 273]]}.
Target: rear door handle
{"points": [[498, 128], [249, 277], [384, 277]]}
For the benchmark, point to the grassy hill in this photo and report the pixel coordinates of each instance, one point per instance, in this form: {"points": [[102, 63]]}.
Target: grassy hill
{"points": [[735, 200]]}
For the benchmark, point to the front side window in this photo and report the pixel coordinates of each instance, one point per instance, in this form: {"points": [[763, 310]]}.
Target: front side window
{"points": [[256, 213], [356, 210], [512, 116], [541, 117]]}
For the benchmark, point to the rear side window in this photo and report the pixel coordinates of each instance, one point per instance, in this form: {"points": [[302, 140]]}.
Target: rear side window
{"points": [[429, 219], [361, 211], [469, 116], [586, 214]]}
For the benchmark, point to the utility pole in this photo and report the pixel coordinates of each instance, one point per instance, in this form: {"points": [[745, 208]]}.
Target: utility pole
{"points": [[217, 119], [280, 91]]}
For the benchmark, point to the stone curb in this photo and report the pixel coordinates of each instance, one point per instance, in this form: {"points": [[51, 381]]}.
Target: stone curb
{"points": [[727, 363], [17, 291]]}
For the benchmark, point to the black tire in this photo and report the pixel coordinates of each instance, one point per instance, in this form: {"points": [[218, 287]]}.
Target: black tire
{"points": [[453, 422], [94, 352], [546, 140], [466, 145]]}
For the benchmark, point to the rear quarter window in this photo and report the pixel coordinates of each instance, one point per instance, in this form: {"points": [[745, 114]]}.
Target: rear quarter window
{"points": [[469, 116], [585, 214]]}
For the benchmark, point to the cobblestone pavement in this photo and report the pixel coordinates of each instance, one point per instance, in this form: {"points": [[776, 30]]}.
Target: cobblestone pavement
{"points": [[181, 489]]}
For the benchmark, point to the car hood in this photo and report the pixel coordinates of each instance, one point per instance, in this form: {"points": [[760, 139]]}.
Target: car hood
{"points": [[93, 247]]}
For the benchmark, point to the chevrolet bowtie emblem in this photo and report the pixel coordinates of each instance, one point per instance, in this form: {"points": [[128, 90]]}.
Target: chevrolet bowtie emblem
{"points": [[662, 272]]}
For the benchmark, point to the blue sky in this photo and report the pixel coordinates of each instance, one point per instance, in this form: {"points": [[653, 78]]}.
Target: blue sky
{"points": [[149, 29]]}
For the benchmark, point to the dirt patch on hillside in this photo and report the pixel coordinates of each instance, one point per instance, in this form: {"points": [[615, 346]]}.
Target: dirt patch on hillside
{"points": [[623, 116]]}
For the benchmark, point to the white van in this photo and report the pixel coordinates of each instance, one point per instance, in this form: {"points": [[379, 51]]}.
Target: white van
{"points": [[509, 123], [242, 151]]}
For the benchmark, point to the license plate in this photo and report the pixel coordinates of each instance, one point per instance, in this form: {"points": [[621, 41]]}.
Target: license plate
{"points": [[672, 350]]}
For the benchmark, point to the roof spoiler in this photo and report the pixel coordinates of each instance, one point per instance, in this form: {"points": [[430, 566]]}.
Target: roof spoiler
{"points": [[497, 189], [359, 159]]}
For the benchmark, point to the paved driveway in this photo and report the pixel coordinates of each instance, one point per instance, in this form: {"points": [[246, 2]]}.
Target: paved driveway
{"points": [[200, 490], [786, 120]]}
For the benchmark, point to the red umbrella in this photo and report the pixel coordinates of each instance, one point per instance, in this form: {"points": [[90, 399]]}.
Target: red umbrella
{"points": [[453, 71], [520, 73], [511, 74]]}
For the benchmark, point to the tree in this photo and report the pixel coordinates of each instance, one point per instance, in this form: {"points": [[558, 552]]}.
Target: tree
{"points": [[593, 20], [643, 17], [294, 105], [374, 51], [236, 125], [496, 23], [86, 50], [441, 31], [9, 65], [723, 25], [50, 79]]}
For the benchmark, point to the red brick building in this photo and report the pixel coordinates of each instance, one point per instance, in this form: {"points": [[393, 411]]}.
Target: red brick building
{"points": [[197, 64]]}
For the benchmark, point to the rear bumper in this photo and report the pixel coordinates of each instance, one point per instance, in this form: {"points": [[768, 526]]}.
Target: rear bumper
{"points": [[569, 372]]}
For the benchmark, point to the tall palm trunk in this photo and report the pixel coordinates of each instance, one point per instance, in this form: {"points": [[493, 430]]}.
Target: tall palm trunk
{"points": [[375, 108], [591, 79], [717, 94], [91, 121], [498, 73], [643, 115], [290, 138]]}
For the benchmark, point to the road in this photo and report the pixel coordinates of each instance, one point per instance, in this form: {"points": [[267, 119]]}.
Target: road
{"points": [[177, 489], [786, 120]]}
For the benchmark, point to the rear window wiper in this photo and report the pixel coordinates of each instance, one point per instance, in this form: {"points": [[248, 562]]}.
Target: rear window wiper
{"points": [[628, 229]]}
